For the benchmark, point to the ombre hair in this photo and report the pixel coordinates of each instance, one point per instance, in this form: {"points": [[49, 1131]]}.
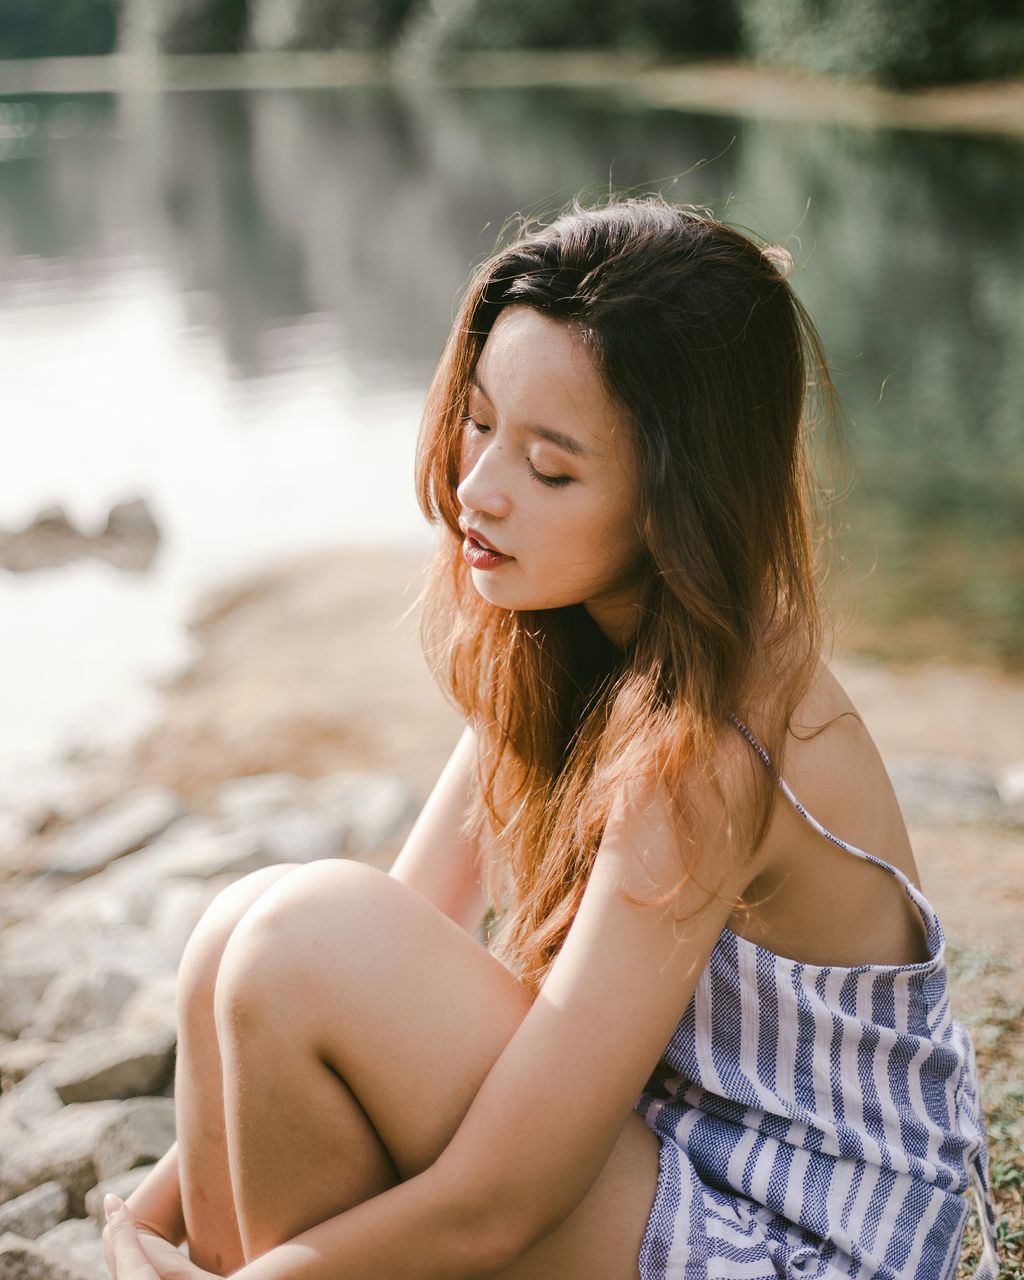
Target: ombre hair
{"points": [[721, 377]]}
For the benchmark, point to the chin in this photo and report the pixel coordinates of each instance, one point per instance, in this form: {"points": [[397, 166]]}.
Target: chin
{"points": [[507, 597]]}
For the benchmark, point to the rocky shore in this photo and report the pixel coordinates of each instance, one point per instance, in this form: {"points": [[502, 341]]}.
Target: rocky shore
{"points": [[88, 957], [310, 728]]}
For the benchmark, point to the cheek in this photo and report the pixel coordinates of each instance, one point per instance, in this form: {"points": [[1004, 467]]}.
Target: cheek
{"points": [[616, 513], [592, 541]]}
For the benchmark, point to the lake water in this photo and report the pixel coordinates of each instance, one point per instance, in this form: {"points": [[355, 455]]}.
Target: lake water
{"points": [[230, 302]]}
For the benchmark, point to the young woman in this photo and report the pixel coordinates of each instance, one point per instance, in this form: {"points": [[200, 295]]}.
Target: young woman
{"points": [[710, 1035]]}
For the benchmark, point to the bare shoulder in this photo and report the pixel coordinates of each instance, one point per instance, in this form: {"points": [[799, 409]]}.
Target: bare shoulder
{"points": [[831, 759], [688, 838], [810, 899]]}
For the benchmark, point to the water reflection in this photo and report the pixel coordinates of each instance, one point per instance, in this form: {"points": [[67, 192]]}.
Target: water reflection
{"points": [[229, 302]]}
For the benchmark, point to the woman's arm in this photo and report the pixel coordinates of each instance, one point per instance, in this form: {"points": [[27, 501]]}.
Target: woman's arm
{"points": [[155, 1204], [437, 859]]}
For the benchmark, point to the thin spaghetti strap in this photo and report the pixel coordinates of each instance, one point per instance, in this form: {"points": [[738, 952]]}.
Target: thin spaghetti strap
{"points": [[920, 901]]}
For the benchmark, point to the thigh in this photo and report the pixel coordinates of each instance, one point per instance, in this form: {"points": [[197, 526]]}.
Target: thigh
{"points": [[412, 1012]]}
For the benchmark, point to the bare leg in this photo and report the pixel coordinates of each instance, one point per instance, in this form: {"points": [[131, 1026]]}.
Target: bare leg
{"points": [[357, 1024], [302, 1148], [207, 1200]]}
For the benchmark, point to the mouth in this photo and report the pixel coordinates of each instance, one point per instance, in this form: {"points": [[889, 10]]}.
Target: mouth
{"points": [[478, 538]]}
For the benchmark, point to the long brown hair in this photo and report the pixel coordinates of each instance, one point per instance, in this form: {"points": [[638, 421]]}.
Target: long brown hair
{"points": [[702, 342]]}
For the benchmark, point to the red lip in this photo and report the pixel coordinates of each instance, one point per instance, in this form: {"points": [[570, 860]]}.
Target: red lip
{"points": [[479, 537]]}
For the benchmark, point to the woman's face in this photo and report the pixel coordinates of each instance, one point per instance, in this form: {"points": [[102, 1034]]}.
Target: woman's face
{"points": [[548, 476]]}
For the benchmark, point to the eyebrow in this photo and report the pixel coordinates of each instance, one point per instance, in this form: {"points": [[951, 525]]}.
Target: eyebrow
{"points": [[559, 438]]}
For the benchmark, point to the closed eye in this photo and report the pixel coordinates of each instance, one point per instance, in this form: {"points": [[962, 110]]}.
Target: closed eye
{"points": [[554, 482]]}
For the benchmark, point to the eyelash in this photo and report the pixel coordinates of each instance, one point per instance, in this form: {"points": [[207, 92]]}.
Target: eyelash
{"points": [[553, 482]]}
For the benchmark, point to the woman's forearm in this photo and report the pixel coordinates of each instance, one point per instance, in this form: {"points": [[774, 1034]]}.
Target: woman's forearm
{"points": [[156, 1201], [412, 1231]]}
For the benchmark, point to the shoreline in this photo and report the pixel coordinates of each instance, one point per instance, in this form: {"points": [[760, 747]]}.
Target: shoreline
{"points": [[328, 640], [721, 87], [315, 664]]}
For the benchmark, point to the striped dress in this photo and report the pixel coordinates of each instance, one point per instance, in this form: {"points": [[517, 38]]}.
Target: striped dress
{"points": [[816, 1121]]}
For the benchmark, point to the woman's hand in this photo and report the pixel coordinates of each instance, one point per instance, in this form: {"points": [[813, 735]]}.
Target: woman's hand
{"points": [[135, 1254]]}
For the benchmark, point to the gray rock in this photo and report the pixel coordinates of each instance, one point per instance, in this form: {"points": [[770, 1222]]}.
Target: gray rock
{"points": [[77, 1245], [20, 1058], [118, 828], [59, 1148], [140, 891], [103, 901], [35, 1211], [36, 949], [240, 801], [119, 1063], [53, 519], [934, 789], [82, 1000], [22, 1259], [300, 836], [197, 850], [178, 906], [28, 1102], [15, 829], [122, 1185], [373, 807], [131, 520], [153, 1005], [142, 1131], [22, 983], [340, 815]]}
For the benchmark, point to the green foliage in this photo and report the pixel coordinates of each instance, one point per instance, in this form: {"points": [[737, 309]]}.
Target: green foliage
{"points": [[58, 28], [326, 24], [201, 26], [897, 42], [442, 27]]}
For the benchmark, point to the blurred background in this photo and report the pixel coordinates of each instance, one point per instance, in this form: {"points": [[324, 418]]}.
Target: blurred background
{"points": [[232, 237], [230, 265]]}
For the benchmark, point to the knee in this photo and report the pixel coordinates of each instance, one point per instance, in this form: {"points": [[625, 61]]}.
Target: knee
{"points": [[200, 961], [310, 919]]}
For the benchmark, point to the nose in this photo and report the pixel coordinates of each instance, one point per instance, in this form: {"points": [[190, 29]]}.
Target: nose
{"points": [[482, 488]]}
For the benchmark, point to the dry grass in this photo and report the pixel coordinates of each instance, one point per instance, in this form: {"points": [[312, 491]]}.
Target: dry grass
{"points": [[988, 998]]}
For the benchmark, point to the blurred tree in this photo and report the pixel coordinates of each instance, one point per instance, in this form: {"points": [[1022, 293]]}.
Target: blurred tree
{"points": [[438, 28], [199, 26], [898, 42], [672, 26], [325, 24], [29, 29]]}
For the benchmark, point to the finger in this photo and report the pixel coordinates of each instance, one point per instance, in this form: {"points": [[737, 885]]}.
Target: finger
{"points": [[168, 1261], [131, 1263], [108, 1252]]}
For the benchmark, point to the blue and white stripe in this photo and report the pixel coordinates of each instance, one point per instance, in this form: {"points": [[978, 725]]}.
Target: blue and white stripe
{"points": [[816, 1121]]}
